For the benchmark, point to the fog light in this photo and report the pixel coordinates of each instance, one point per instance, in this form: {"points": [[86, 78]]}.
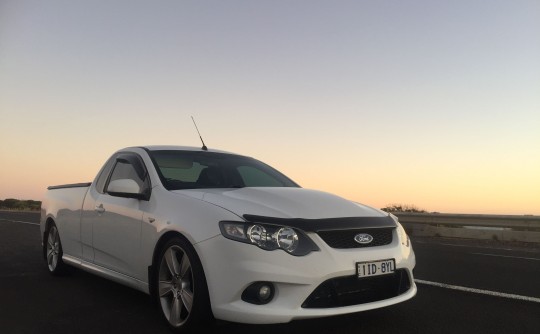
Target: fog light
{"points": [[265, 292], [259, 293]]}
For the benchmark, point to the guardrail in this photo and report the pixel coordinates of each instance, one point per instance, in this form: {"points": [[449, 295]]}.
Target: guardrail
{"points": [[495, 227]]}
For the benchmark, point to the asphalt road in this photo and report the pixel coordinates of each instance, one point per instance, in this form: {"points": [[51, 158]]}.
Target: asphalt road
{"points": [[32, 301]]}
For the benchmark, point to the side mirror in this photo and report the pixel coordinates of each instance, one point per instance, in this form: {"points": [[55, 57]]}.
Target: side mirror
{"points": [[126, 188]]}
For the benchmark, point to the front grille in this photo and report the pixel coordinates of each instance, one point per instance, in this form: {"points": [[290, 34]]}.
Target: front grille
{"points": [[351, 290], [345, 238]]}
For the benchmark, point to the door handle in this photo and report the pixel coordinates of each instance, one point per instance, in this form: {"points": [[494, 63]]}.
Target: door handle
{"points": [[99, 208]]}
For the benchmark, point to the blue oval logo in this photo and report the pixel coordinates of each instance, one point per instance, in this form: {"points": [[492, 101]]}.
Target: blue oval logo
{"points": [[363, 238]]}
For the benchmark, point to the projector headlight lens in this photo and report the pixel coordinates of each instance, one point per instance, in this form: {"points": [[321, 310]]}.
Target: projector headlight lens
{"points": [[287, 239], [257, 235]]}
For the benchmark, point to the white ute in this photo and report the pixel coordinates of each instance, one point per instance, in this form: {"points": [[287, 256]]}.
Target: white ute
{"points": [[213, 234]]}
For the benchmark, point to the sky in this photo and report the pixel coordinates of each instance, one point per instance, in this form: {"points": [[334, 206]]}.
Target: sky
{"points": [[428, 103]]}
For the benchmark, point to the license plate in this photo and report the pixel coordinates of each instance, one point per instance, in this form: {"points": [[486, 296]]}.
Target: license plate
{"points": [[375, 268]]}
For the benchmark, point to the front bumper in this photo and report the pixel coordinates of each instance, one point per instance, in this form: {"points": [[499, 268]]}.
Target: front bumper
{"points": [[232, 266]]}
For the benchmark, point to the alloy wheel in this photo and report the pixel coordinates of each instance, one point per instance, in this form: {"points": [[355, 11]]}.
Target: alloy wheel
{"points": [[176, 290], [53, 248]]}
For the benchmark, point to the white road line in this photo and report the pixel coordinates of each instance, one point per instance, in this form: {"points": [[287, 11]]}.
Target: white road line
{"points": [[479, 291], [466, 246], [477, 246], [18, 221], [512, 257]]}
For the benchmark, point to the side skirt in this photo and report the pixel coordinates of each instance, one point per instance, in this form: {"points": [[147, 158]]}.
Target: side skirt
{"points": [[107, 273]]}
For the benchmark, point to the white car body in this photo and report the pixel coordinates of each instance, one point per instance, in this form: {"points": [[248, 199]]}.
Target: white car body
{"points": [[117, 237]]}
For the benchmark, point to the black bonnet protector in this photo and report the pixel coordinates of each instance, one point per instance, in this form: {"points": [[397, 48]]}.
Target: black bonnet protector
{"points": [[326, 224]]}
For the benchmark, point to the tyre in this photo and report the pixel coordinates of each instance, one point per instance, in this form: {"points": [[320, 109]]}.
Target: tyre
{"points": [[52, 249], [181, 287]]}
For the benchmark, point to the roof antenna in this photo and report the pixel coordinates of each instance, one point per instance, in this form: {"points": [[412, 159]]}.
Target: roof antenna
{"points": [[203, 146]]}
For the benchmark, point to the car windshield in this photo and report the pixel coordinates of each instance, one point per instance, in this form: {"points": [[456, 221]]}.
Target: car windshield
{"points": [[201, 169]]}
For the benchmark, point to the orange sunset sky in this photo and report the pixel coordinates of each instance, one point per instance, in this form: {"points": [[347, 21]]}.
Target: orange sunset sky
{"points": [[430, 103]]}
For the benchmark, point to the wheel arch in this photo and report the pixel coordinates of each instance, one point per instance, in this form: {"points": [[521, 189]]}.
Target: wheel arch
{"points": [[152, 269]]}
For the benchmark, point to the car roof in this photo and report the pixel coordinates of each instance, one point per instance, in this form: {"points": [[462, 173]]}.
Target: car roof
{"points": [[179, 148]]}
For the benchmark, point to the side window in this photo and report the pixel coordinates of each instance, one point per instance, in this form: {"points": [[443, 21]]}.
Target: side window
{"points": [[102, 179], [130, 166], [254, 177]]}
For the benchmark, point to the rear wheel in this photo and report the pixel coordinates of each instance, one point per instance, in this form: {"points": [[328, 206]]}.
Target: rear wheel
{"points": [[53, 251], [182, 291]]}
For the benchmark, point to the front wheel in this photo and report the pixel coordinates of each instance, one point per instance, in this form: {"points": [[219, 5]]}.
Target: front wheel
{"points": [[53, 251], [182, 291]]}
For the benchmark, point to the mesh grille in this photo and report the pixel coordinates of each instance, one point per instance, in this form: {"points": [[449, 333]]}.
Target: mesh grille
{"points": [[350, 290], [345, 238]]}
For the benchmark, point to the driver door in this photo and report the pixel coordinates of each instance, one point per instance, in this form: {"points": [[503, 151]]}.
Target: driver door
{"points": [[117, 224]]}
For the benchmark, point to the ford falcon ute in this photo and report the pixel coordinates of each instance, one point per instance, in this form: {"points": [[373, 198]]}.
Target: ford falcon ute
{"points": [[216, 235]]}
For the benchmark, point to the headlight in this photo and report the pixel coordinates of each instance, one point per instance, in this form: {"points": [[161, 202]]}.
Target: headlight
{"points": [[257, 235], [287, 239], [403, 237], [269, 237]]}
